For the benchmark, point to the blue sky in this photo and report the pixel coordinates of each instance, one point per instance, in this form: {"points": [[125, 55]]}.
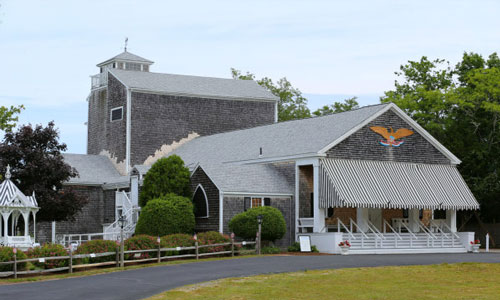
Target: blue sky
{"points": [[330, 50]]}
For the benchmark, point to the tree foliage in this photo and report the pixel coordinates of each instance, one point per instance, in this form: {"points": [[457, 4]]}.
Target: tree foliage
{"points": [[245, 224], [292, 104], [460, 106], [167, 175], [9, 117], [167, 214], [337, 107], [37, 165]]}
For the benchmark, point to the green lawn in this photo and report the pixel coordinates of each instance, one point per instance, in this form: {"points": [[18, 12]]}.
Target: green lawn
{"points": [[445, 281]]}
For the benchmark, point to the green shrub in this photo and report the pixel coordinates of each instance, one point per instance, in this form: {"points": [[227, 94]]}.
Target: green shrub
{"points": [[141, 242], [49, 250], [97, 246], [177, 240], [167, 175], [7, 254], [213, 237], [245, 224], [295, 247], [270, 250], [166, 215]]}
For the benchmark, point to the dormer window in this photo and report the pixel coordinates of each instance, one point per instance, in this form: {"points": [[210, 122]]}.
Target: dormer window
{"points": [[116, 114]]}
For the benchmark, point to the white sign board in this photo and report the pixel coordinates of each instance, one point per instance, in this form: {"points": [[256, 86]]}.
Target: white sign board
{"points": [[92, 254], [305, 243]]}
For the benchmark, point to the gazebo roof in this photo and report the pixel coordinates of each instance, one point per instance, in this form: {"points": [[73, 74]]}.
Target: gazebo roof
{"points": [[11, 196]]}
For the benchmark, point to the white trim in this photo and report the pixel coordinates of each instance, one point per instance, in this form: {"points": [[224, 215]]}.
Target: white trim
{"points": [[279, 158], [297, 179], [128, 131], [221, 211], [276, 112], [123, 60], [218, 97], [453, 159], [199, 186], [246, 194], [111, 114]]}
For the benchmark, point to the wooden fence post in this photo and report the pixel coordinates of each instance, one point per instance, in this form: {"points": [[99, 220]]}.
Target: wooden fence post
{"points": [[70, 259], [15, 263], [196, 250], [232, 244], [117, 257], [159, 247]]}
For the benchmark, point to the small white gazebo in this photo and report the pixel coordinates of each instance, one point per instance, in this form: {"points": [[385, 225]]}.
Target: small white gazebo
{"points": [[13, 205]]}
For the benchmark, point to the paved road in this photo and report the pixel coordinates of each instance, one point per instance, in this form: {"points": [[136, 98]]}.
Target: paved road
{"points": [[141, 283]]}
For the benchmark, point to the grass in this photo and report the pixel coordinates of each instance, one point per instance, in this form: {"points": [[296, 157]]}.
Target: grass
{"points": [[445, 281], [109, 270]]}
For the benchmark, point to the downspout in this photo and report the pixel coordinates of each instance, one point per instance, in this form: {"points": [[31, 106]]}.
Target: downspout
{"points": [[221, 211], [128, 131]]}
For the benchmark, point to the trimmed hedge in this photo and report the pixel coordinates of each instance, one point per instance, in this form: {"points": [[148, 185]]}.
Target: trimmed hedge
{"points": [[169, 214], [245, 224], [295, 247], [48, 250], [213, 237], [167, 175], [270, 250], [141, 242], [7, 254], [177, 240], [96, 246]]}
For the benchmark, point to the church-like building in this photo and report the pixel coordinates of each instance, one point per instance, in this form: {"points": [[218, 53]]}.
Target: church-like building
{"points": [[372, 175]]}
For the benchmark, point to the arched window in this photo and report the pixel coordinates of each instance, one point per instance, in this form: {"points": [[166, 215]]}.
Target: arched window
{"points": [[200, 202]]}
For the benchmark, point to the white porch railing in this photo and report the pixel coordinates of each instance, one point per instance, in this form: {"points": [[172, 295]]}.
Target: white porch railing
{"points": [[99, 80]]}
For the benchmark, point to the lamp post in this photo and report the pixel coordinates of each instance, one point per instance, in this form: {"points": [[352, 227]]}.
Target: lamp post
{"points": [[259, 239], [121, 222]]}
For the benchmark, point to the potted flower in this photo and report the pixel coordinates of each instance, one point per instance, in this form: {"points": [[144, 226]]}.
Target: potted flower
{"points": [[344, 247], [475, 246]]}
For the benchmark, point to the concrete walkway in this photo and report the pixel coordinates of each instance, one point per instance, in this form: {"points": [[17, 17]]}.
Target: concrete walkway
{"points": [[141, 283]]}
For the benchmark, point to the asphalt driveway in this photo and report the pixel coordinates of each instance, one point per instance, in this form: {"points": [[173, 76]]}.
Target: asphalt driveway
{"points": [[142, 283]]}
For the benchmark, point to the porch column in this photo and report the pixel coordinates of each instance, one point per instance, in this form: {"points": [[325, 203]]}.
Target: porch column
{"points": [[451, 219], [361, 218], [319, 213], [413, 219], [26, 217], [5, 224]]}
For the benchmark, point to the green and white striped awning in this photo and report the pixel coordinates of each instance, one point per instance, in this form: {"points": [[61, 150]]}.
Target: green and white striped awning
{"points": [[384, 184]]}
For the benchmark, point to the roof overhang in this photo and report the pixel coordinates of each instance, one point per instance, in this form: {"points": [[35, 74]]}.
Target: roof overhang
{"points": [[396, 185]]}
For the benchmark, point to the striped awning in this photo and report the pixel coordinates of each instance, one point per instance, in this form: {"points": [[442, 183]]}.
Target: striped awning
{"points": [[384, 184]]}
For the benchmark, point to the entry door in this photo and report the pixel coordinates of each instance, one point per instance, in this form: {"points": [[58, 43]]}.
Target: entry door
{"points": [[375, 216]]}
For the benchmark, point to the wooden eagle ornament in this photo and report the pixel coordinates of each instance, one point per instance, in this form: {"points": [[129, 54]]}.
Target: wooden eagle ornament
{"points": [[391, 137]]}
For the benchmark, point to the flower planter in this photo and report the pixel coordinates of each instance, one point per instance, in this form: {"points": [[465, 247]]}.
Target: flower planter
{"points": [[475, 248], [344, 250]]}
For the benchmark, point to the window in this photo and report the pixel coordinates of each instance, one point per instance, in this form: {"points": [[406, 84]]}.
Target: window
{"points": [[439, 214], [133, 66], [256, 202], [116, 114], [200, 202]]}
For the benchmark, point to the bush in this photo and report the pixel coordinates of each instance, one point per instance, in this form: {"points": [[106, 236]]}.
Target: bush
{"points": [[167, 175], [141, 242], [177, 240], [7, 254], [213, 237], [245, 224], [96, 246], [49, 250], [295, 247], [270, 250], [169, 214]]}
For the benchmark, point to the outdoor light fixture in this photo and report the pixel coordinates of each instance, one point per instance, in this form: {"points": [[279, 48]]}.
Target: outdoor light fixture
{"points": [[121, 221], [259, 219]]}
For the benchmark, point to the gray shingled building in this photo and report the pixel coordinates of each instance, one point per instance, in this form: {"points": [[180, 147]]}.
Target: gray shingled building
{"points": [[370, 175]]}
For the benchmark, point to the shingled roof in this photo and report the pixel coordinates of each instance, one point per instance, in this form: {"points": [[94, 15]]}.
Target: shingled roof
{"points": [[93, 170], [187, 85], [126, 56]]}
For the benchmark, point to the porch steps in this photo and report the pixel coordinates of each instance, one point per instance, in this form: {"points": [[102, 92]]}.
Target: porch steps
{"points": [[408, 244]]}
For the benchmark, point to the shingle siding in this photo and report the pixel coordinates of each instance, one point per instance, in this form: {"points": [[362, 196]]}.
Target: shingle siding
{"points": [[234, 205], [212, 222], [98, 211], [364, 144], [162, 119]]}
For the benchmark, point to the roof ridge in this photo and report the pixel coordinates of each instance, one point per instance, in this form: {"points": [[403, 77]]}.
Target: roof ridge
{"points": [[295, 120], [186, 75]]}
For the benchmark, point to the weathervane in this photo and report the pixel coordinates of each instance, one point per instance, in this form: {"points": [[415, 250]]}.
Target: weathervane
{"points": [[126, 42]]}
